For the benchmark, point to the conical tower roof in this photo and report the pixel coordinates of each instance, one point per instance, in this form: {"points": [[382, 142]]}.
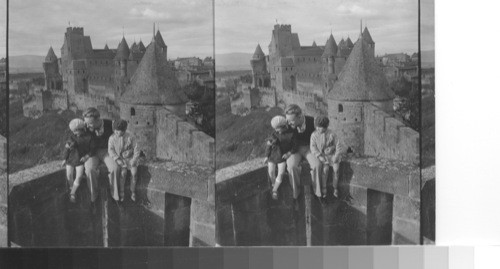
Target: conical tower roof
{"points": [[342, 43], [367, 37], [349, 42], [154, 81], [314, 44], [330, 47], [134, 47], [123, 51], [106, 47], [361, 79], [51, 56], [258, 54], [159, 40], [141, 46]]}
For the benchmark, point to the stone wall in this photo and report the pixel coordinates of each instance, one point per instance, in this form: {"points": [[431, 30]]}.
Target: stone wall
{"points": [[381, 206], [175, 207], [267, 97], [3, 208], [179, 140], [387, 137]]}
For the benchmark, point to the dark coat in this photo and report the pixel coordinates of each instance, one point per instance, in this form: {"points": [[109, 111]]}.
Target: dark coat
{"points": [[281, 143]]}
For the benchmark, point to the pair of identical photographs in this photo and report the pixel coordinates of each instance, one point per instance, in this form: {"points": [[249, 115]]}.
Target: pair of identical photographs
{"points": [[162, 112]]}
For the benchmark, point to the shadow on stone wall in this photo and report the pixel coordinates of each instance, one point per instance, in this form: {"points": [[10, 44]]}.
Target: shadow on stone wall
{"points": [[41, 215]]}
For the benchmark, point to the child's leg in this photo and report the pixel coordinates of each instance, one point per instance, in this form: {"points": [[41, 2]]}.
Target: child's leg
{"points": [[123, 177], [271, 171], [79, 174], [324, 178], [336, 167], [70, 175], [133, 181], [279, 177]]}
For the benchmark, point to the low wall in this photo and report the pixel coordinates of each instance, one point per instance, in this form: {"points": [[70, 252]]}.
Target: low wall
{"points": [[382, 206], [173, 202], [3, 208], [387, 137], [180, 141]]}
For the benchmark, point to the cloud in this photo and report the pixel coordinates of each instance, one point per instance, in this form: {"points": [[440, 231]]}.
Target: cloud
{"points": [[105, 21]]}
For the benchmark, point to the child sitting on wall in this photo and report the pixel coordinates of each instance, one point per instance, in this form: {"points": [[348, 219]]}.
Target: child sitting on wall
{"points": [[123, 149], [326, 148], [280, 146], [78, 149]]}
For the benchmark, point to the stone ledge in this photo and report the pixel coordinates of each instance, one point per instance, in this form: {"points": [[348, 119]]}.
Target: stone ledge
{"points": [[32, 173]]}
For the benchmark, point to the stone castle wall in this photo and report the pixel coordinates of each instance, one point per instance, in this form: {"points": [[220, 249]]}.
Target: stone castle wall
{"points": [[3, 192], [383, 194], [387, 137], [179, 140], [179, 213], [267, 97]]}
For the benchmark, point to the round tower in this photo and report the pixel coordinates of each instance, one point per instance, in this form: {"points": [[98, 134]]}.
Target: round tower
{"points": [[51, 71], [153, 86], [328, 58], [122, 54], [361, 82], [259, 68]]}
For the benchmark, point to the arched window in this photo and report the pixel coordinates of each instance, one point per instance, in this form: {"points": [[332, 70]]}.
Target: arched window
{"points": [[293, 82], [341, 108], [132, 111]]}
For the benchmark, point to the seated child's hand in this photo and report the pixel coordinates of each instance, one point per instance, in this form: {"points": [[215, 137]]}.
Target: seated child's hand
{"points": [[63, 163], [127, 154], [329, 150], [322, 159]]}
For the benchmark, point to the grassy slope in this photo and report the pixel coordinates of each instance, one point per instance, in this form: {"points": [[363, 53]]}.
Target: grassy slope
{"points": [[241, 138], [36, 141]]}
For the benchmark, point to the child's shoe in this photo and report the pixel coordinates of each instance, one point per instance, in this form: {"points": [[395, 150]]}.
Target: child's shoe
{"points": [[275, 195], [72, 198]]}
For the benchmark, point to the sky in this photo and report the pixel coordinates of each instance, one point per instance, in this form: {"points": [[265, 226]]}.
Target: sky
{"points": [[241, 24], [3, 28], [186, 25]]}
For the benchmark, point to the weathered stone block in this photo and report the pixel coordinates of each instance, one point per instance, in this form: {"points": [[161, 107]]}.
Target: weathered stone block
{"points": [[359, 196], [414, 185], [225, 226], [406, 208], [202, 212], [405, 232], [202, 235]]}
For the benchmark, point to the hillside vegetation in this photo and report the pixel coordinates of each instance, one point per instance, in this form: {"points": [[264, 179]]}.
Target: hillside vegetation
{"points": [[241, 138], [36, 141]]}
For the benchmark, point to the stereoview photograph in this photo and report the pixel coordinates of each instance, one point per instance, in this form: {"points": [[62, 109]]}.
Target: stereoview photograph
{"points": [[111, 123], [318, 123]]}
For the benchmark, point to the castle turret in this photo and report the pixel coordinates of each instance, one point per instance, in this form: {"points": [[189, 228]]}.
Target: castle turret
{"points": [[141, 46], [161, 44], [329, 54], [106, 47], [361, 81], [259, 68], [53, 79], [134, 47], [122, 54], [349, 43], [314, 44], [368, 38], [153, 86]]}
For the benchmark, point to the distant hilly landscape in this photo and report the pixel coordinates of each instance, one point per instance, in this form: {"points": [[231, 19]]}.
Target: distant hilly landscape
{"points": [[233, 61], [26, 64], [224, 62]]}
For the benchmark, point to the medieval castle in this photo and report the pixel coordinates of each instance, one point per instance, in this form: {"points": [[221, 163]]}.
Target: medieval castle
{"points": [[135, 83], [344, 81]]}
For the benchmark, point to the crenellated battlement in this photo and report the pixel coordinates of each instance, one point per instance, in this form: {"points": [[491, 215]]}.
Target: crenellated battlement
{"points": [[179, 140], [283, 27], [74, 30], [388, 137]]}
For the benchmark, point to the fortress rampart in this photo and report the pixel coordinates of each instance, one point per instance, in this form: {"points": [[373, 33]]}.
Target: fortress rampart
{"points": [[179, 212], [383, 207], [179, 140], [387, 137]]}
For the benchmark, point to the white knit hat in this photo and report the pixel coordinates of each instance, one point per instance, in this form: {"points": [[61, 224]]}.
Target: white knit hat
{"points": [[278, 121], [76, 124]]}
